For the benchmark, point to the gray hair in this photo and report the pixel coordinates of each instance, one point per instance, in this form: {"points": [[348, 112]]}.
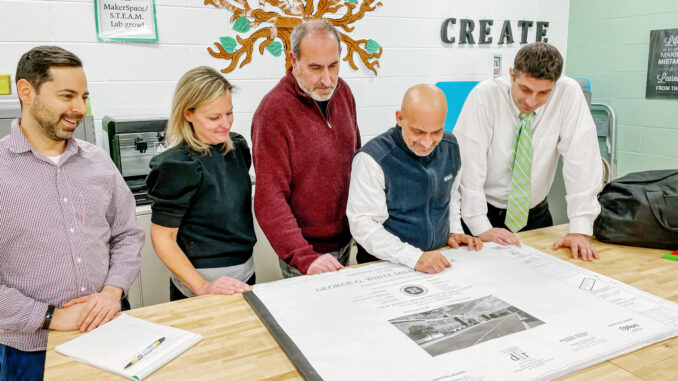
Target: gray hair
{"points": [[311, 27]]}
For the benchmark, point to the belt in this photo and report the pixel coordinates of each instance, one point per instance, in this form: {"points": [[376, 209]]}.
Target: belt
{"points": [[499, 211]]}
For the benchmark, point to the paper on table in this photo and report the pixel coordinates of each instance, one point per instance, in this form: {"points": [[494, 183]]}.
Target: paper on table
{"points": [[112, 346], [503, 313]]}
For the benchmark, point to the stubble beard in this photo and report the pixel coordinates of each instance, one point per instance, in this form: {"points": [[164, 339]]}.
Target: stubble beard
{"points": [[48, 125], [316, 97]]}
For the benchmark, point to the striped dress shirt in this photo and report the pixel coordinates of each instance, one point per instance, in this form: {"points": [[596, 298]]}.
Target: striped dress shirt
{"points": [[66, 231]]}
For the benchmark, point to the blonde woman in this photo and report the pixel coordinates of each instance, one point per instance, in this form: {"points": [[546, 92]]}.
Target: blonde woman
{"points": [[202, 226]]}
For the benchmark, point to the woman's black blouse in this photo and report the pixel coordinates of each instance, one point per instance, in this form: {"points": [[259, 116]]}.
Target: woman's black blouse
{"points": [[209, 198]]}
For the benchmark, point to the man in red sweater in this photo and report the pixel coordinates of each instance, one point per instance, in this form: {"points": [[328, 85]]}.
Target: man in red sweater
{"points": [[304, 134]]}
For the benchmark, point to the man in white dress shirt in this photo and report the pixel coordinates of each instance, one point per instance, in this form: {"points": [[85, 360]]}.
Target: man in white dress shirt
{"points": [[403, 201], [524, 124]]}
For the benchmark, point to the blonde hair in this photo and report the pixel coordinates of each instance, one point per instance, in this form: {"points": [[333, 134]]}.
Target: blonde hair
{"points": [[196, 88]]}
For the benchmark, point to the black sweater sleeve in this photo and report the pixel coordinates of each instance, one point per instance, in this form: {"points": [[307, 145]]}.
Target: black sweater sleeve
{"points": [[173, 181]]}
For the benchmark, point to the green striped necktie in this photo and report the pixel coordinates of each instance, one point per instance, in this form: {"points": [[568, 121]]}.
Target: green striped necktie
{"points": [[521, 163]]}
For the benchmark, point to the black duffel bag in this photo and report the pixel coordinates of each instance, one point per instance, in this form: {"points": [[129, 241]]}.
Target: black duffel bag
{"points": [[640, 209]]}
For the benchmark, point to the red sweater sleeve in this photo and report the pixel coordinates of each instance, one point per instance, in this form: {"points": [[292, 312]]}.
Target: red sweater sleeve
{"points": [[272, 191]]}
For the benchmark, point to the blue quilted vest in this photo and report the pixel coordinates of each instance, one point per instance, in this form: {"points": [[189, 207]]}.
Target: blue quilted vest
{"points": [[417, 188]]}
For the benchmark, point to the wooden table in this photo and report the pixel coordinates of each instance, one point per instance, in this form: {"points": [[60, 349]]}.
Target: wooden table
{"points": [[237, 346]]}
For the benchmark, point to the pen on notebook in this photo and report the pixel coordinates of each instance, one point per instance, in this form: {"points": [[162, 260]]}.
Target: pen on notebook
{"points": [[145, 352]]}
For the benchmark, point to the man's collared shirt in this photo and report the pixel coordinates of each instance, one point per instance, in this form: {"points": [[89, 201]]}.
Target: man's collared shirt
{"points": [[486, 131], [66, 231], [367, 210]]}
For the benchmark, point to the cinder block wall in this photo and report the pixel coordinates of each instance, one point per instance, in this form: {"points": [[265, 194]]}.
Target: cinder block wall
{"points": [[138, 79], [609, 44]]}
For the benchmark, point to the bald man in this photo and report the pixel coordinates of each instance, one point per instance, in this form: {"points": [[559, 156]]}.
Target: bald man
{"points": [[403, 200]]}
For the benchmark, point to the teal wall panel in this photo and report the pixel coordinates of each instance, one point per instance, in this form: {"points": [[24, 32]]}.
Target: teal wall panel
{"points": [[608, 43]]}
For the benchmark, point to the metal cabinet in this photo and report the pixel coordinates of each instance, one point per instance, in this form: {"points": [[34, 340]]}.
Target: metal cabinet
{"points": [[152, 285]]}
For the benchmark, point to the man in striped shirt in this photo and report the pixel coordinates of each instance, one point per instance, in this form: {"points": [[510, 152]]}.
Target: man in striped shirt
{"points": [[69, 244]]}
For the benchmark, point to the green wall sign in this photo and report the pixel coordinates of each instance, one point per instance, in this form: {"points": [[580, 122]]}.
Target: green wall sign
{"points": [[126, 20]]}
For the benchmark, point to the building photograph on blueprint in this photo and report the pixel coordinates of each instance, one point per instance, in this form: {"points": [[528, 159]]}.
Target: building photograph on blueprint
{"points": [[462, 325]]}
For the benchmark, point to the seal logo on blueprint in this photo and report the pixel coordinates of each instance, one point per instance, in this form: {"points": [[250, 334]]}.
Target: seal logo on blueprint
{"points": [[413, 290]]}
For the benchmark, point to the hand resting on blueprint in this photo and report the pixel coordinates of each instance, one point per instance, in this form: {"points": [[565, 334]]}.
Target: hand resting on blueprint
{"points": [[432, 262], [500, 236], [323, 264], [456, 240]]}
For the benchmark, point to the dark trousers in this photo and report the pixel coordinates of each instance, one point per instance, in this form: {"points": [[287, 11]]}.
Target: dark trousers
{"points": [[539, 217], [362, 256], [175, 294], [17, 365]]}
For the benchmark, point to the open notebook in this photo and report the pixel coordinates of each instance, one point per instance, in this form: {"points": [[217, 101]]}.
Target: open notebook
{"points": [[112, 346]]}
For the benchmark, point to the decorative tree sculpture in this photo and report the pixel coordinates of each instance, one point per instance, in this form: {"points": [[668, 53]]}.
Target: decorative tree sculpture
{"points": [[277, 25]]}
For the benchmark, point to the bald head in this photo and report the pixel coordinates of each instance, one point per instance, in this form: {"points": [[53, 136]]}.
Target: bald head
{"points": [[422, 118], [424, 99]]}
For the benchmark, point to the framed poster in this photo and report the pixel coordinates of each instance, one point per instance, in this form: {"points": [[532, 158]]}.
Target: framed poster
{"points": [[662, 65], [126, 20]]}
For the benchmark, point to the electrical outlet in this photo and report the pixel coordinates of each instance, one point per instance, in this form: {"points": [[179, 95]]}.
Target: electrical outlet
{"points": [[496, 66]]}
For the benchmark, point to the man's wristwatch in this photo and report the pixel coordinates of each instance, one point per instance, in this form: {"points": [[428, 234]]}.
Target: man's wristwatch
{"points": [[48, 317]]}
